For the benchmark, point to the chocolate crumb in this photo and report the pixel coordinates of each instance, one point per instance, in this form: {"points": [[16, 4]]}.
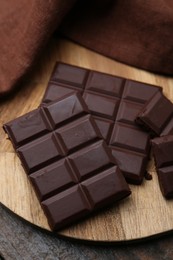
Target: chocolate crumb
{"points": [[148, 176]]}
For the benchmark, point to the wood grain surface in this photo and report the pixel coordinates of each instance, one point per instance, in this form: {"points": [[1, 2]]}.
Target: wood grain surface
{"points": [[145, 213], [20, 240]]}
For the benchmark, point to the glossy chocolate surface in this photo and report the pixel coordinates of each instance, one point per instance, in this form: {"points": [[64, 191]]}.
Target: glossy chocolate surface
{"points": [[114, 103], [157, 115], [163, 155], [71, 168]]}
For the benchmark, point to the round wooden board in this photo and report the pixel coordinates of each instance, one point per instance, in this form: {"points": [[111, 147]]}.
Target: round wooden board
{"points": [[145, 213]]}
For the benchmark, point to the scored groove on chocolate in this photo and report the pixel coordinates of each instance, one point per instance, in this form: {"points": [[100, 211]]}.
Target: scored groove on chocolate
{"points": [[114, 103], [62, 151]]}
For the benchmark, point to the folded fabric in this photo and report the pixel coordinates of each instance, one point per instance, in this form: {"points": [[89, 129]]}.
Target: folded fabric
{"points": [[25, 27], [135, 32]]}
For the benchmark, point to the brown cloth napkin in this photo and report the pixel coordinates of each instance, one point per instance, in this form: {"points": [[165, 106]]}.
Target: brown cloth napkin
{"points": [[136, 32]]}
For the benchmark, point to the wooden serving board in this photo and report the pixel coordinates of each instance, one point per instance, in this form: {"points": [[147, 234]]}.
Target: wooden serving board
{"points": [[145, 213]]}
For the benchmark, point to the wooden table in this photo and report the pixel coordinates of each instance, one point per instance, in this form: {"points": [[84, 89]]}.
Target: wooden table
{"points": [[20, 240], [146, 206]]}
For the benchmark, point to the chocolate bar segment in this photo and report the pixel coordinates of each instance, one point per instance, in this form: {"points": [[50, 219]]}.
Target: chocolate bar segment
{"points": [[80, 200], [71, 168], [157, 115], [43, 120], [163, 155], [26, 128], [129, 137], [114, 103], [132, 164], [53, 179]]}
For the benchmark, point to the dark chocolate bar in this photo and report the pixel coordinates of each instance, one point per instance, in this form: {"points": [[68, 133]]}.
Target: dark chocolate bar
{"points": [[157, 115], [114, 103], [163, 155], [70, 166]]}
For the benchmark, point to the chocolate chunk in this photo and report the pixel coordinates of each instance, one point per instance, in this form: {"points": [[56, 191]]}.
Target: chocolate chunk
{"points": [[114, 103], [163, 155], [81, 199], [157, 115], [71, 168]]}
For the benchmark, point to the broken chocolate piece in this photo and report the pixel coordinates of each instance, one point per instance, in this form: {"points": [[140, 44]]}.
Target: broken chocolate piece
{"points": [[163, 155]]}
